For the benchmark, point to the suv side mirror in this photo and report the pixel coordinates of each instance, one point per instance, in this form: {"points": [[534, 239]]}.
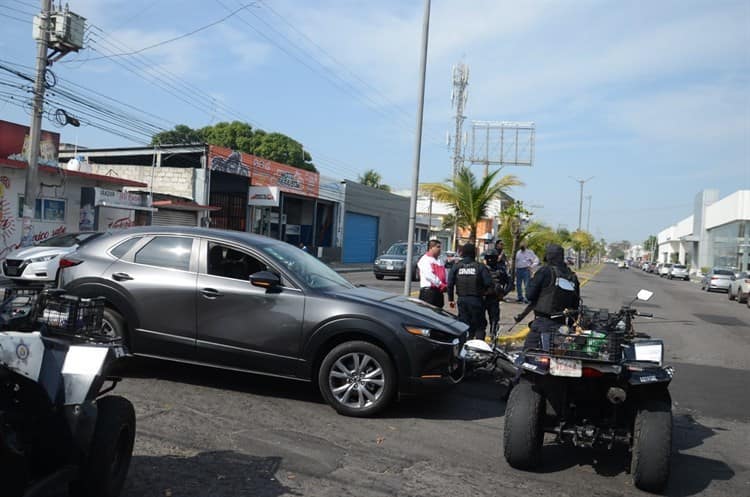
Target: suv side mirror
{"points": [[265, 279]]}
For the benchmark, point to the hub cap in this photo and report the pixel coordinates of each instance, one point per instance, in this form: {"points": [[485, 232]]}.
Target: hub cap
{"points": [[357, 380]]}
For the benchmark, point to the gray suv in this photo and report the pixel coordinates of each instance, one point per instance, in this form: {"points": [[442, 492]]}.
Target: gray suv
{"points": [[393, 261], [245, 302]]}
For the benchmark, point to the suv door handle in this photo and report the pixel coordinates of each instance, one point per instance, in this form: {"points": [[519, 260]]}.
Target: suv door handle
{"points": [[211, 293], [121, 277]]}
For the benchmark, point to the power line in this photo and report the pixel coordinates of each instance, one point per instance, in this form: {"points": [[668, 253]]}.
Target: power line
{"points": [[180, 37]]}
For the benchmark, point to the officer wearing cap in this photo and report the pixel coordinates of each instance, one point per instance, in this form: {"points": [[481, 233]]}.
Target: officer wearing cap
{"points": [[471, 280]]}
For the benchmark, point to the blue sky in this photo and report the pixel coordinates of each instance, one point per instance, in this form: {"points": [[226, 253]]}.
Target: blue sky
{"points": [[651, 98]]}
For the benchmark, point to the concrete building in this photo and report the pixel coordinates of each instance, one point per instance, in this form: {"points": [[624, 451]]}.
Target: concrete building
{"points": [[373, 220], [717, 233]]}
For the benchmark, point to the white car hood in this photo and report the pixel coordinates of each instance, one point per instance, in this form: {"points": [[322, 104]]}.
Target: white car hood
{"points": [[34, 252]]}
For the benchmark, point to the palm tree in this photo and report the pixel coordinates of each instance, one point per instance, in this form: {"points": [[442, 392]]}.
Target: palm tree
{"points": [[372, 178], [469, 197]]}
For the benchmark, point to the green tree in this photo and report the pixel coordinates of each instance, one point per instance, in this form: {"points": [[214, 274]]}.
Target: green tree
{"points": [[181, 134], [582, 242], [516, 227], [241, 136], [372, 178], [470, 197], [651, 245]]}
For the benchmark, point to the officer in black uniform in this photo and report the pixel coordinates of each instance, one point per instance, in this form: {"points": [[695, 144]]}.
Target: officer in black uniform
{"points": [[496, 292], [553, 289], [470, 280]]}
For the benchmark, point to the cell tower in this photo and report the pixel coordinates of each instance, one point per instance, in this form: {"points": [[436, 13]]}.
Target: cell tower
{"points": [[459, 95]]}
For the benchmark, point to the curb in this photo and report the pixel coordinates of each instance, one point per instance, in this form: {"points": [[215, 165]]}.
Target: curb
{"points": [[522, 334]]}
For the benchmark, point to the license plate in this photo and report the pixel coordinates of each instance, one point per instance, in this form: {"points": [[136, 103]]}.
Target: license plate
{"points": [[565, 367], [389, 268]]}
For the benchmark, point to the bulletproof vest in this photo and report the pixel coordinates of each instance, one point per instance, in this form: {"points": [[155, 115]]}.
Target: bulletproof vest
{"points": [[499, 277], [558, 295], [468, 279]]}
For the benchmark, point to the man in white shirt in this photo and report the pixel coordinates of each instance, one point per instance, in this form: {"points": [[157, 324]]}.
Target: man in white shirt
{"points": [[525, 260], [432, 278]]}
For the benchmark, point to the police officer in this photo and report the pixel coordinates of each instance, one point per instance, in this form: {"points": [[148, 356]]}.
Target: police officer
{"points": [[496, 292], [470, 280], [553, 289]]}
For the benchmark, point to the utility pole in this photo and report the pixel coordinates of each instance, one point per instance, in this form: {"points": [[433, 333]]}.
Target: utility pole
{"points": [[588, 218], [417, 150], [32, 171], [580, 214], [458, 100], [429, 220]]}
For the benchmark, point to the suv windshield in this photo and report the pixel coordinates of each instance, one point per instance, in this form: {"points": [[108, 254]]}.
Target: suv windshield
{"points": [[678, 266], [305, 267], [400, 249]]}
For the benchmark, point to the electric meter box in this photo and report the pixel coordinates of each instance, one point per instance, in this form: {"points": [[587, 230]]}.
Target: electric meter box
{"points": [[66, 30]]}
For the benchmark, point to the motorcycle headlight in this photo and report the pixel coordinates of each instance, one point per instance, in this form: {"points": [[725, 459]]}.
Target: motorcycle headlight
{"points": [[43, 258]]}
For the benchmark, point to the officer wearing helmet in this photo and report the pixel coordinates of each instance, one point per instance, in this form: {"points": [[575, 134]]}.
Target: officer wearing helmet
{"points": [[470, 280], [496, 292], [553, 289]]}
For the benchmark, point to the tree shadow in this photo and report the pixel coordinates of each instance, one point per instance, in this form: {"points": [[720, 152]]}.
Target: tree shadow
{"points": [[690, 475], [266, 386], [216, 473]]}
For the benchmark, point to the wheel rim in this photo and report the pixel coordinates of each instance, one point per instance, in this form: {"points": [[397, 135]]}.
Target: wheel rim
{"points": [[109, 330], [357, 380]]}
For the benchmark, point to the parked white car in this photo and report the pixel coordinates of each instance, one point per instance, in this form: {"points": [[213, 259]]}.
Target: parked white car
{"points": [[664, 270], [680, 272], [39, 262], [740, 287]]}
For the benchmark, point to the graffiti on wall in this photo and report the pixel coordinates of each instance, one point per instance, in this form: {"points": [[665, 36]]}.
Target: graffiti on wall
{"points": [[8, 222]]}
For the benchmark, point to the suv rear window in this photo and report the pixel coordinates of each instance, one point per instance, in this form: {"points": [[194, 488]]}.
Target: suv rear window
{"points": [[167, 251], [678, 266], [123, 247], [723, 272]]}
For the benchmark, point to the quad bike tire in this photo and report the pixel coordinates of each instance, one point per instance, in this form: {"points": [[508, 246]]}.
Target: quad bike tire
{"points": [[523, 435], [378, 276], [103, 472], [652, 444]]}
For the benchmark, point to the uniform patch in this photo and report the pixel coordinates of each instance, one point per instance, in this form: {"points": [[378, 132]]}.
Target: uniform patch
{"points": [[467, 271], [22, 351]]}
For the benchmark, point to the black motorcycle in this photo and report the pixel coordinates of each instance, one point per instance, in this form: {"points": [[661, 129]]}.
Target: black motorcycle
{"points": [[57, 427], [595, 383]]}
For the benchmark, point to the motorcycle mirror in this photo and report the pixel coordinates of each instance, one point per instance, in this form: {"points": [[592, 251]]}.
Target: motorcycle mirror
{"points": [[644, 295]]}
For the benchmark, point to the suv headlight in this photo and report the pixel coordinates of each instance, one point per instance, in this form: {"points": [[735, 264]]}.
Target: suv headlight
{"points": [[437, 335], [43, 258]]}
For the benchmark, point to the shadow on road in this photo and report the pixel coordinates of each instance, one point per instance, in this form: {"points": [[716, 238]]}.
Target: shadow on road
{"points": [[267, 386], [690, 475], [218, 474], [473, 399]]}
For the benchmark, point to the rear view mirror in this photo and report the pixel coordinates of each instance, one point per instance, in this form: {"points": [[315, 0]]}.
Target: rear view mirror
{"points": [[644, 295], [265, 279]]}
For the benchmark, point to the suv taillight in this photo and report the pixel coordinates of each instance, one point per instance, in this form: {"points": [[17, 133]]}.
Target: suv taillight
{"points": [[68, 262]]}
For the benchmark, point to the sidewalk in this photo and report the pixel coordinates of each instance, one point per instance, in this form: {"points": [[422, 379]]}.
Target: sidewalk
{"points": [[350, 268]]}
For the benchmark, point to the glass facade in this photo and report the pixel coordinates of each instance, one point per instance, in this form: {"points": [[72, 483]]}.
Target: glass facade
{"points": [[730, 245]]}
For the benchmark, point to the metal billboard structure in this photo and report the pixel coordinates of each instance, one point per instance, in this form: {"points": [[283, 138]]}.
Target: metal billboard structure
{"points": [[502, 143]]}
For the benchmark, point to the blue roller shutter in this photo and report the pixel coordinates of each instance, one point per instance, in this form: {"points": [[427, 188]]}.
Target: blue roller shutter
{"points": [[360, 238]]}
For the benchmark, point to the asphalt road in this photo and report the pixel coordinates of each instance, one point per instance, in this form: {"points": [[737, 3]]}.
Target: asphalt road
{"points": [[204, 432]]}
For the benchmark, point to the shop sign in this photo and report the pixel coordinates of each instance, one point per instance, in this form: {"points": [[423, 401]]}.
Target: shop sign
{"points": [[122, 200], [265, 196]]}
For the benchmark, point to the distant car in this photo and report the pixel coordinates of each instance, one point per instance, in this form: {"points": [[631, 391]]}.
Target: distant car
{"points": [[39, 263], [717, 279], [644, 266], [623, 265], [739, 287], [664, 270], [679, 272], [393, 261], [652, 266]]}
